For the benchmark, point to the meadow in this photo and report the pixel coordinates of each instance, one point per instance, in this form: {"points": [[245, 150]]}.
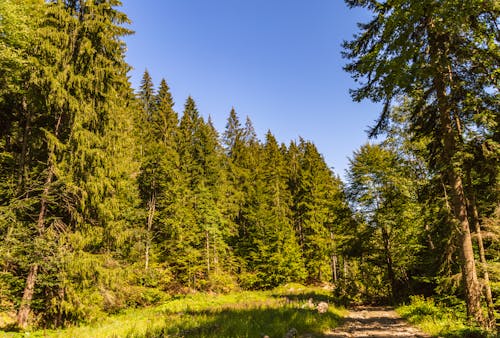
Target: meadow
{"points": [[244, 314]]}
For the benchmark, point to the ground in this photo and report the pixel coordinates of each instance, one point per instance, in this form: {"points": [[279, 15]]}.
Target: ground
{"points": [[370, 322]]}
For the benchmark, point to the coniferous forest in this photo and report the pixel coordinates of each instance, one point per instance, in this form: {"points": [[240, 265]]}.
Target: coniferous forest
{"points": [[112, 197]]}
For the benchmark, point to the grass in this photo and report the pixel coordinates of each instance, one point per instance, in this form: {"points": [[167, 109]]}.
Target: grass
{"points": [[439, 320], [242, 314]]}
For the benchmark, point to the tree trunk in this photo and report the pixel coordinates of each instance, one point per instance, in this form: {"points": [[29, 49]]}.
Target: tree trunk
{"points": [[207, 248], [472, 287], [449, 136], [475, 218], [25, 306], [489, 296], [388, 261], [216, 255], [334, 268], [24, 147], [151, 213], [459, 208], [429, 237]]}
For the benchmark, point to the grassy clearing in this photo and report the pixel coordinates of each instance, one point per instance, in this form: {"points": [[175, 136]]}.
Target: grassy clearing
{"points": [[439, 320], [243, 314]]}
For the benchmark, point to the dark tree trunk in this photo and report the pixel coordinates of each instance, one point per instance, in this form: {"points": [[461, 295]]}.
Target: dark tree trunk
{"points": [[450, 136], [482, 256], [151, 213], [458, 206], [24, 146], [25, 306], [388, 261]]}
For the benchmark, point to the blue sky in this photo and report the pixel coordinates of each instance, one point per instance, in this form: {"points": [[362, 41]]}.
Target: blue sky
{"points": [[276, 61]]}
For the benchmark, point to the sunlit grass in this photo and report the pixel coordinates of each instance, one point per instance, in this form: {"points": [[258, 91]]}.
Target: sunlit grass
{"points": [[438, 320], [242, 314]]}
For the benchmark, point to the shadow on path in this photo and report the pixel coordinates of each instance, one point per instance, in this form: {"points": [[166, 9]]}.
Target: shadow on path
{"points": [[371, 322]]}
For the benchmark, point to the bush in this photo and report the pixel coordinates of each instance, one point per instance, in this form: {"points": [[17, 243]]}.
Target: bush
{"points": [[221, 283], [440, 319]]}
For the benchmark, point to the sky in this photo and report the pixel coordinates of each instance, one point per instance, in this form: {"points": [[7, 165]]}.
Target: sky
{"points": [[276, 61]]}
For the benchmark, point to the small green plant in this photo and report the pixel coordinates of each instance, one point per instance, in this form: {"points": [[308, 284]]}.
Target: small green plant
{"points": [[443, 318]]}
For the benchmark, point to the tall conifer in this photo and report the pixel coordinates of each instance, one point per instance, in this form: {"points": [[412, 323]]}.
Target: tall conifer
{"points": [[77, 76], [442, 61]]}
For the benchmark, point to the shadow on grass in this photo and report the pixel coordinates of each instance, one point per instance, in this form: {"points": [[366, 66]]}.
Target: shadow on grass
{"points": [[304, 297], [11, 327], [254, 322], [467, 333]]}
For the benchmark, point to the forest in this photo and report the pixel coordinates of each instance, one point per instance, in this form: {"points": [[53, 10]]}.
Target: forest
{"points": [[113, 197]]}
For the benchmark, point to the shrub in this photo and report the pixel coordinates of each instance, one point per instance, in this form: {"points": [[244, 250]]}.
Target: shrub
{"points": [[445, 318]]}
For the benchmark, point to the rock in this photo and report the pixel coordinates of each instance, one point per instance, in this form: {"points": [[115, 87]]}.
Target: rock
{"points": [[322, 307], [291, 333]]}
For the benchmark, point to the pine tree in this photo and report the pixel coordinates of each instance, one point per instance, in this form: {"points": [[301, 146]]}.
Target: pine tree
{"points": [[442, 61], [242, 157], [201, 238], [151, 154], [17, 34], [213, 209], [236, 172], [275, 253], [72, 186], [317, 203], [161, 182]]}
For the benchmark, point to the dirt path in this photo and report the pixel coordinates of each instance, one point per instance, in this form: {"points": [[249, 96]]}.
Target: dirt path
{"points": [[369, 322]]}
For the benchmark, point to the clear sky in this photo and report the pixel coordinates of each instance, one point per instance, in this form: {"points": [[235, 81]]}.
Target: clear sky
{"points": [[277, 61]]}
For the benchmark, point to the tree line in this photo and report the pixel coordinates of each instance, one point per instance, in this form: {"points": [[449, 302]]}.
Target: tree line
{"points": [[111, 198]]}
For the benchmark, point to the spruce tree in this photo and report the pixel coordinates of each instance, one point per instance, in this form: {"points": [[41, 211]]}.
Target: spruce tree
{"points": [[276, 255], [72, 187], [317, 208], [442, 60], [150, 155], [201, 240]]}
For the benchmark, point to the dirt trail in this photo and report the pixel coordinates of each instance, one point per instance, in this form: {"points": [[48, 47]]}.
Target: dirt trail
{"points": [[370, 322]]}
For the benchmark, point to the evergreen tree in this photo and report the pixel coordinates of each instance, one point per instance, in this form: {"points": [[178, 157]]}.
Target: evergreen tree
{"points": [[147, 94], [442, 60], [243, 157], [201, 252], [158, 133], [317, 203], [73, 183], [381, 192], [273, 252], [235, 148], [214, 210], [17, 34]]}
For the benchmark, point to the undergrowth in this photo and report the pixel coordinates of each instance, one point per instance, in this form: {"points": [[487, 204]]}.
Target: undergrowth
{"points": [[445, 318]]}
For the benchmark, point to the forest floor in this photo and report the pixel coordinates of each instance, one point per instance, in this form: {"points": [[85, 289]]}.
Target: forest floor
{"points": [[370, 322], [291, 310]]}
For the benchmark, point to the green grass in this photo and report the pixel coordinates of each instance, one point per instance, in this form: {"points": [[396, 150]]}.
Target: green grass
{"points": [[439, 320], [242, 314]]}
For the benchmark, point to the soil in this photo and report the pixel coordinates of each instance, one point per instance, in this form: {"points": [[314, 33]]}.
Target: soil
{"points": [[369, 322]]}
